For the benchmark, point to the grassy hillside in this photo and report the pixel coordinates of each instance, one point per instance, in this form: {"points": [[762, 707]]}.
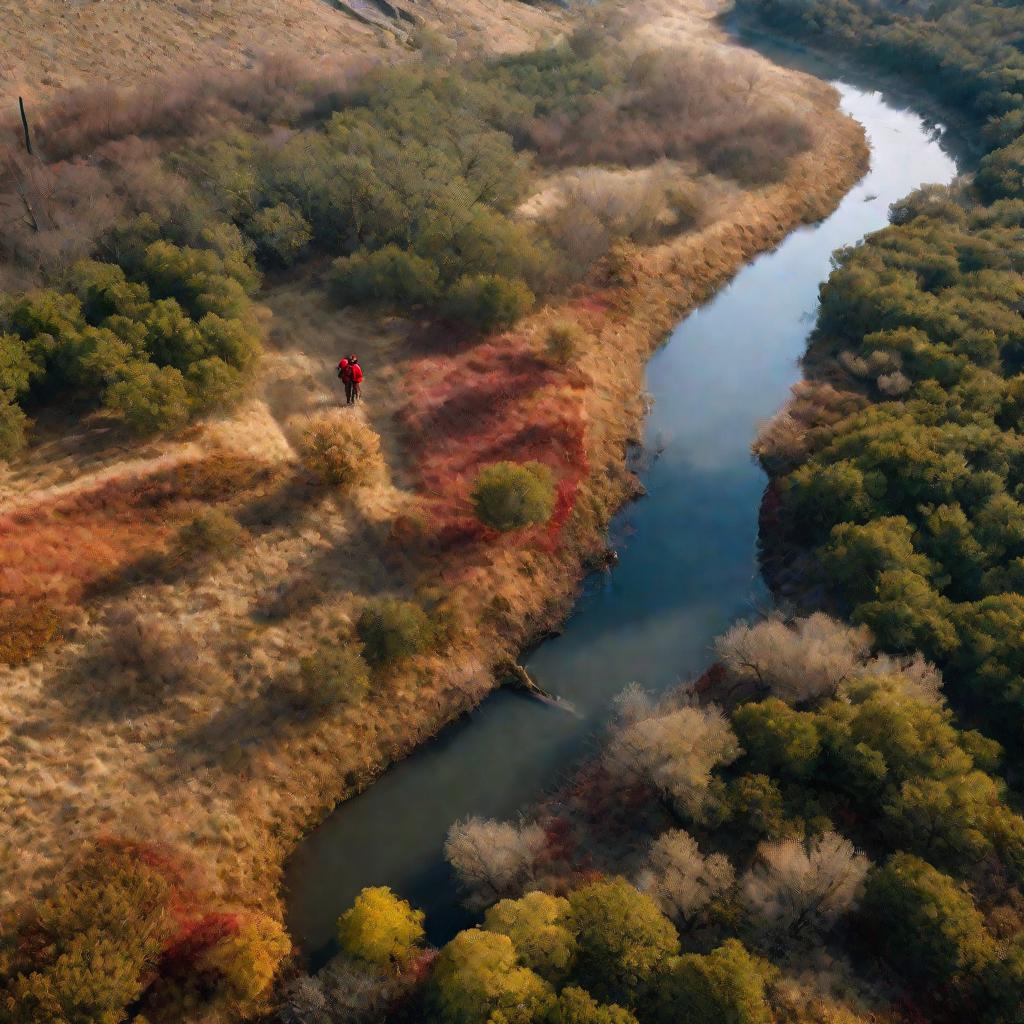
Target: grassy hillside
{"points": [[53, 45]]}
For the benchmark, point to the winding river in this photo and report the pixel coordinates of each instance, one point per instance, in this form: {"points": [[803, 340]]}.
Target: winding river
{"points": [[688, 563]]}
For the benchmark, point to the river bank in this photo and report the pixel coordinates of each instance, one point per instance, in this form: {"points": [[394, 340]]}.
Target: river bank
{"points": [[661, 285]]}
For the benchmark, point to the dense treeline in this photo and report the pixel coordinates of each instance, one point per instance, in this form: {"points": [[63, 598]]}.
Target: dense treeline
{"points": [[903, 472], [833, 840], [143, 237]]}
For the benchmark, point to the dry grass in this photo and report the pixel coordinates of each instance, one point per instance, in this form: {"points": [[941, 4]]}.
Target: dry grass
{"points": [[218, 759], [53, 45]]}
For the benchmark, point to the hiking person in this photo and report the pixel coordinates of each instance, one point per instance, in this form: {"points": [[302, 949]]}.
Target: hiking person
{"points": [[356, 376], [345, 374]]}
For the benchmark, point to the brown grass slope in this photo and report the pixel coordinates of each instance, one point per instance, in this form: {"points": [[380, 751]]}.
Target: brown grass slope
{"points": [[51, 45]]}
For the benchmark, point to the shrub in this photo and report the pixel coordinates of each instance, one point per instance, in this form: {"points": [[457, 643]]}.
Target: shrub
{"points": [[280, 233], [577, 1006], [87, 952], [25, 630], [152, 652], [380, 928], [563, 343], [393, 630], [149, 398], [335, 674], [342, 450], [13, 429], [390, 276], [488, 302], [214, 385], [215, 533], [510, 495]]}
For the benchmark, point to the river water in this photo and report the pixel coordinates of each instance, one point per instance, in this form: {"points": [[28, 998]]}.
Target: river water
{"points": [[688, 564]]}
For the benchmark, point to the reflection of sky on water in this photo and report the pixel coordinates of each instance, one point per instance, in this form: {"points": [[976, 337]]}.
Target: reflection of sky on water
{"points": [[688, 565]]}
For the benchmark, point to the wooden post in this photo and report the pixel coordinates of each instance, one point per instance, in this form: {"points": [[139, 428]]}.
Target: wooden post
{"points": [[24, 125]]}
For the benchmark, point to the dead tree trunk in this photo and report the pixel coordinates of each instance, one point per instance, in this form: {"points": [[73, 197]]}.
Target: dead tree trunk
{"points": [[24, 126]]}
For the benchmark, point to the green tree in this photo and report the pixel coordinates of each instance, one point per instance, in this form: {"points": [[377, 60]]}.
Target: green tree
{"points": [[477, 980], [380, 928], [924, 923], [335, 674], [510, 495], [623, 940], [576, 1006], [857, 554], [908, 614], [725, 987], [537, 926], [776, 739], [281, 233], [754, 808]]}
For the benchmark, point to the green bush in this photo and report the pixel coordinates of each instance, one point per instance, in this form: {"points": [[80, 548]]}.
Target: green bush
{"points": [[393, 631], [488, 302], [564, 341], [281, 233], [13, 429], [390, 276], [510, 495], [477, 979], [335, 674], [215, 533], [150, 398]]}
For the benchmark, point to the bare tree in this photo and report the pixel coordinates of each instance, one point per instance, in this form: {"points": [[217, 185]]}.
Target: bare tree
{"points": [[781, 443], [798, 661], [682, 879], [493, 859], [800, 889], [673, 753]]}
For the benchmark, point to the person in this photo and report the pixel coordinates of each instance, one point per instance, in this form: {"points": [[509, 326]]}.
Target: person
{"points": [[345, 373], [356, 377]]}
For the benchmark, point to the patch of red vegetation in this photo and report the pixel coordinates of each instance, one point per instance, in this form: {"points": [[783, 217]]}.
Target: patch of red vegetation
{"points": [[55, 549], [711, 680], [195, 930], [497, 401], [194, 938]]}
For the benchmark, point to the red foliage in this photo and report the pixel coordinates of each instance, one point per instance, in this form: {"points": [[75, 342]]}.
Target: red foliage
{"points": [[712, 678], [493, 402], [561, 843], [56, 548], [194, 938]]}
